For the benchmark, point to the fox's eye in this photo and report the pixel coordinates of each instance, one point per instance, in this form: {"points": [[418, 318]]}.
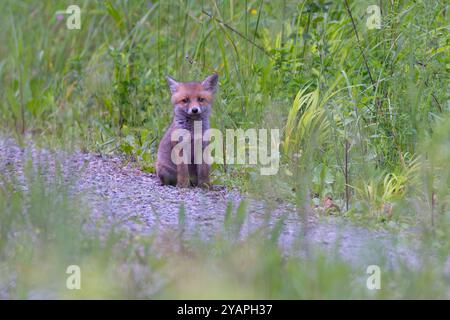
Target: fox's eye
{"points": [[200, 99], [185, 100]]}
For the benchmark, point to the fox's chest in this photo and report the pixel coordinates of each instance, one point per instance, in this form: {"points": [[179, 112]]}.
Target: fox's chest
{"points": [[198, 145]]}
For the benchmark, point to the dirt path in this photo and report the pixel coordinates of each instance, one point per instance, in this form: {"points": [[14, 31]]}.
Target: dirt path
{"points": [[124, 195]]}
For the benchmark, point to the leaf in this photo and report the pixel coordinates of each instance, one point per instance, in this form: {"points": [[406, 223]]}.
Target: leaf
{"points": [[114, 13]]}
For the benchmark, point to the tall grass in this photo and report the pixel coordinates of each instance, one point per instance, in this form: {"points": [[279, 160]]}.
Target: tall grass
{"points": [[370, 95]]}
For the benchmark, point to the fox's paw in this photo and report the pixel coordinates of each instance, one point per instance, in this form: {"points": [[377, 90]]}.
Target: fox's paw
{"points": [[205, 185], [183, 184]]}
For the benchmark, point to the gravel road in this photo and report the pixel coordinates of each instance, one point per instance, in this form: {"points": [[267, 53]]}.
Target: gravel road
{"points": [[119, 192]]}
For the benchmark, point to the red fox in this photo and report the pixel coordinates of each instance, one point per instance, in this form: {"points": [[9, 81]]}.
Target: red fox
{"points": [[192, 102]]}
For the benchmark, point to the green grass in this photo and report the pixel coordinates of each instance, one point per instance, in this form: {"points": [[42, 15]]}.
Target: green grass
{"points": [[364, 117]]}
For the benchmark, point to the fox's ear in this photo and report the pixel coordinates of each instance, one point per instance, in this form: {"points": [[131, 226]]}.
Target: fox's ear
{"points": [[173, 84], [210, 82]]}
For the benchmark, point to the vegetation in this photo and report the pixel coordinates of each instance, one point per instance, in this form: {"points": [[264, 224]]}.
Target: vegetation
{"points": [[364, 118]]}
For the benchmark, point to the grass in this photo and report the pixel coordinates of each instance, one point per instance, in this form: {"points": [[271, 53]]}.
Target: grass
{"points": [[364, 117]]}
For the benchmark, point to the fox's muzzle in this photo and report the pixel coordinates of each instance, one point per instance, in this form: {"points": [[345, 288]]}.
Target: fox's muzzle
{"points": [[194, 110]]}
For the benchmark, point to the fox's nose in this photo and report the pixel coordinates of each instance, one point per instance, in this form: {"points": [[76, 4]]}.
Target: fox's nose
{"points": [[194, 109]]}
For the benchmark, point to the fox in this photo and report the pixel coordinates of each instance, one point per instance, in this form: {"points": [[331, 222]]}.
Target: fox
{"points": [[192, 101]]}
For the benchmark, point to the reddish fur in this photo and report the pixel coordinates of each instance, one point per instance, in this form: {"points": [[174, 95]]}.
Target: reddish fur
{"points": [[191, 90]]}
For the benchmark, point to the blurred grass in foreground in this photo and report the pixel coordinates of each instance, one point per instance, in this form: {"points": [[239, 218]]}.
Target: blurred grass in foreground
{"points": [[44, 230]]}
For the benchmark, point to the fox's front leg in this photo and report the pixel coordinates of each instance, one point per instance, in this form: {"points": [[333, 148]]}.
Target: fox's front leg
{"points": [[181, 161], [203, 175], [182, 175]]}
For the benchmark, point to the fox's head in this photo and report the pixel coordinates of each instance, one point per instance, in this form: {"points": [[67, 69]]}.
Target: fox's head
{"points": [[193, 99]]}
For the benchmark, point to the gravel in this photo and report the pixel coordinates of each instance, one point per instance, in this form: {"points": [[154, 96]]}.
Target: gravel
{"points": [[118, 192]]}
